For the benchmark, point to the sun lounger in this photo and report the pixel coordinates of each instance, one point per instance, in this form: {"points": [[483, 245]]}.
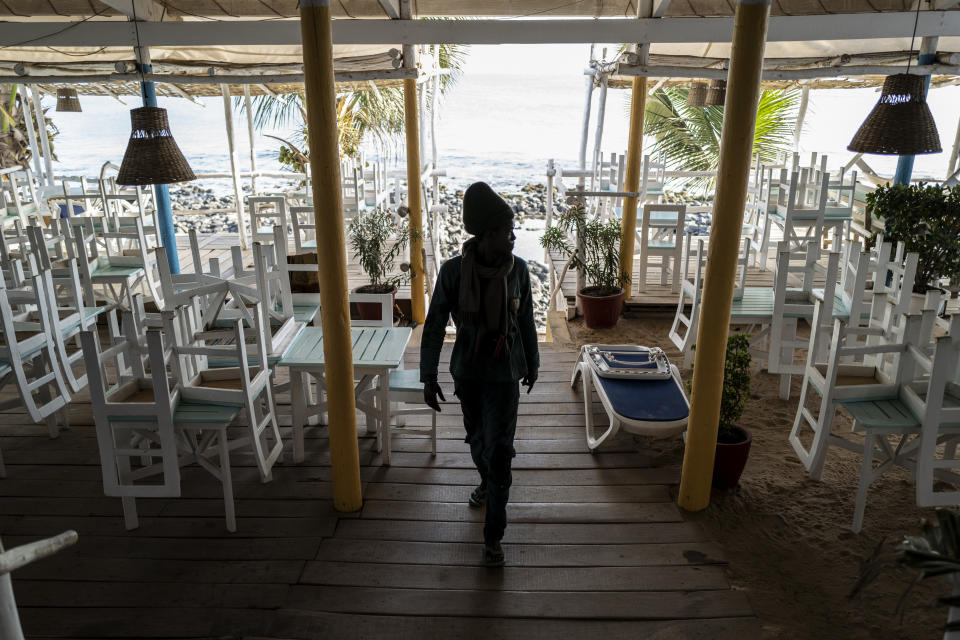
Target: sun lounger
{"points": [[639, 389]]}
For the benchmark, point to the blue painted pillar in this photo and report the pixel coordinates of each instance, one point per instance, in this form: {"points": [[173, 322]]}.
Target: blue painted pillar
{"points": [[905, 163], [161, 191]]}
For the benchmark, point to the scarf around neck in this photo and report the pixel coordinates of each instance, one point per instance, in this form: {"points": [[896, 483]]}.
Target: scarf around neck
{"points": [[483, 296]]}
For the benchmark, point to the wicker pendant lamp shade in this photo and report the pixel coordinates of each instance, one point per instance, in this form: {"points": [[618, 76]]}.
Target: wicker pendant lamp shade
{"points": [[152, 155], [717, 93], [697, 96], [901, 122], [67, 100]]}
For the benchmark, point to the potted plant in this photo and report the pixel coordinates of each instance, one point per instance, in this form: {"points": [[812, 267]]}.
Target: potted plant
{"points": [[936, 553], [377, 239], [733, 442], [926, 218], [598, 256]]}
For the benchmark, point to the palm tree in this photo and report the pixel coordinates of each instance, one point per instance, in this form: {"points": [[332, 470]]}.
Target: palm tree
{"points": [[689, 137], [374, 113]]}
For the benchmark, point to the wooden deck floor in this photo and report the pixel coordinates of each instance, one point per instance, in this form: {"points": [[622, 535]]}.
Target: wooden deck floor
{"points": [[595, 547]]}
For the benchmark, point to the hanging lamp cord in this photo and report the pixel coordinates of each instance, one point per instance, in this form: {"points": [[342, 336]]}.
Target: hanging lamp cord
{"points": [[139, 52], [916, 21]]}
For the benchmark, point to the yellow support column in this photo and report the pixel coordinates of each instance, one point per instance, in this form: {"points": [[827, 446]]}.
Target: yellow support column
{"points": [[631, 182], [736, 147], [412, 126], [317, 34]]}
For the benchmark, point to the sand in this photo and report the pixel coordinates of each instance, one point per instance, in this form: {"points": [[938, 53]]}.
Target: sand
{"points": [[788, 538]]}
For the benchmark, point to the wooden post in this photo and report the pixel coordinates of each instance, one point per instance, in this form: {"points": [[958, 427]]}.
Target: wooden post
{"points": [[801, 116], [44, 138], [234, 161], [736, 147], [28, 121], [414, 200], [631, 183], [317, 35], [247, 105]]}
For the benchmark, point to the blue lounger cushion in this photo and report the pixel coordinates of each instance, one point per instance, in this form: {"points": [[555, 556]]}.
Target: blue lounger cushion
{"points": [[646, 400]]}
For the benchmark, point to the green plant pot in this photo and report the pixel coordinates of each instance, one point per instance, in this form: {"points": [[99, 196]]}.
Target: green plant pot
{"points": [[600, 312]]}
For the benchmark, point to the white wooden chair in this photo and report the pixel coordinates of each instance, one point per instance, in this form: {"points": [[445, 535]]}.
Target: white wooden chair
{"points": [[405, 391], [353, 188], [763, 206], [857, 368], [20, 195], [304, 304], [28, 358], [653, 178], [246, 386], [121, 205], [661, 235], [304, 229], [13, 559], [264, 212], [683, 331], [916, 426], [147, 430], [116, 276]]}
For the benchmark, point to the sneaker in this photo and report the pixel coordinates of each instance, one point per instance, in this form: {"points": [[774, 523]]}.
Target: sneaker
{"points": [[477, 497], [493, 555]]}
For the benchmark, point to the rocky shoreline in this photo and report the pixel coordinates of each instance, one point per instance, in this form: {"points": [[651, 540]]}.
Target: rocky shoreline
{"points": [[196, 207]]}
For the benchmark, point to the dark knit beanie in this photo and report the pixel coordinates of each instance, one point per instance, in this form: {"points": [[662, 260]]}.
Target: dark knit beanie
{"points": [[483, 209]]}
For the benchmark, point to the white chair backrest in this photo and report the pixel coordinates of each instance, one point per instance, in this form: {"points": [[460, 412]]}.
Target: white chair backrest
{"points": [[304, 228], [263, 213]]}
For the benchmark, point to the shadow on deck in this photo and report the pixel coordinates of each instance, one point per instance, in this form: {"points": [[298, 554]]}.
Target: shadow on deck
{"points": [[595, 547]]}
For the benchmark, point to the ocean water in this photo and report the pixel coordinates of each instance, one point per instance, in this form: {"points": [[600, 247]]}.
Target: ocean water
{"points": [[513, 109]]}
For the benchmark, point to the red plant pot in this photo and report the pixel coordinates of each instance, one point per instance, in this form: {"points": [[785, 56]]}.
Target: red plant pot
{"points": [[730, 460], [600, 311]]}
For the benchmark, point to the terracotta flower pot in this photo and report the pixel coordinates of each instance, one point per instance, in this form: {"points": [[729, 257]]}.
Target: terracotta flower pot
{"points": [[371, 310], [600, 311], [731, 458]]}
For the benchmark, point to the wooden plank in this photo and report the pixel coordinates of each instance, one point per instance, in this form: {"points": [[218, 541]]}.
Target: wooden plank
{"points": [[534, 477], [522, 555], [168, 527], [187, 548], [521, 604], [522, 533], [194, 570], [525, 460], [164, 622], [140, 595], [524, 512], [459, 493], [298, 624], [479, 578]]}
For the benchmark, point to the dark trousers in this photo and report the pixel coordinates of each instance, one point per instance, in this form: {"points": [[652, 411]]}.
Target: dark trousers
{"points": [[490, 418]]}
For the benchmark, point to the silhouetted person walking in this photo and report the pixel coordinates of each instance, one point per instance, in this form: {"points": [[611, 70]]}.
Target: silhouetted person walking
{"points": [[487, 291]]}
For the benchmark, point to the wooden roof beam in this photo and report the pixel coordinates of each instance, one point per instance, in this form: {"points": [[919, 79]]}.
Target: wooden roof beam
{"points": [[149, 10], [391, 8], [409, 32]]}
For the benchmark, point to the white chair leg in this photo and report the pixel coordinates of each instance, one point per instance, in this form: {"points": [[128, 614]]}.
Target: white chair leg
{"points": [[299, 402], [130, 520], [866, 477], [226, 478]]}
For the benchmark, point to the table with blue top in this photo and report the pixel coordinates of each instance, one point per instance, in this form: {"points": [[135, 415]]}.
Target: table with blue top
{"points": [[376, 350]]}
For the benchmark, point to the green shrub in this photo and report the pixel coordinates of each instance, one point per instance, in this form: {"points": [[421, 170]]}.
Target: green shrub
{"points": [[599, 258], [927, 220], [377, 240], [736, 385]]}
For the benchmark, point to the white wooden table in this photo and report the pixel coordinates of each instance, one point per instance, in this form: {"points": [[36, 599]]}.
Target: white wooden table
{"points": [[376, 350]]}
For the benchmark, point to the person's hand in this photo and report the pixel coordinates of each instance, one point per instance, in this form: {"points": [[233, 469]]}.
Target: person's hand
{"points": [[430, 392], [529, 380]]}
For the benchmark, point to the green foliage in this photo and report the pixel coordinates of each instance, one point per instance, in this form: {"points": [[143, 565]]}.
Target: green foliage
{"points": [[690, 136], [599, 253], [935, 553], [377, 240], [927, 220], [365, 111], [736, 383]]}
